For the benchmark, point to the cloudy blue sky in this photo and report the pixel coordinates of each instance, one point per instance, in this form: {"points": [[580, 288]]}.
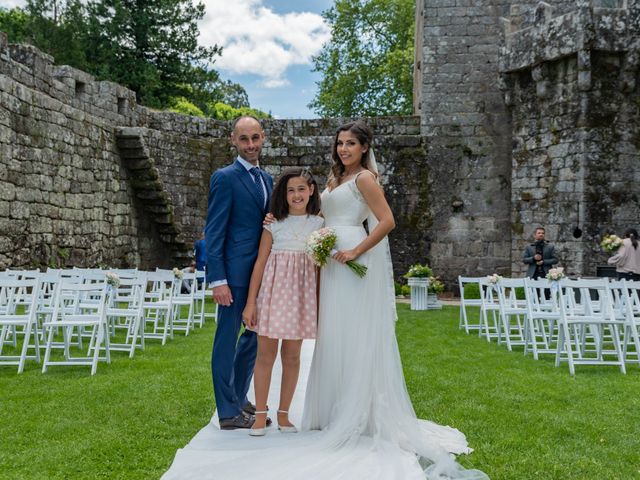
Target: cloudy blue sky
{"points": [[268, 45]]}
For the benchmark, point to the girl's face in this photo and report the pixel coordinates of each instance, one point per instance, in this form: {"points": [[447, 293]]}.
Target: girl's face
{"points": [[349, 149], [298, 193]]}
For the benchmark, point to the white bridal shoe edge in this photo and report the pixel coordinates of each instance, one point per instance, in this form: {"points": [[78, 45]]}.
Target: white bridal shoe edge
{"points": [[258, 432], [287, 429]]}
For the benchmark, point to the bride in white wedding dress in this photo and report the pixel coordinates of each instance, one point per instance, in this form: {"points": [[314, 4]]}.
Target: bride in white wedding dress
{"points": [[356, 395]]}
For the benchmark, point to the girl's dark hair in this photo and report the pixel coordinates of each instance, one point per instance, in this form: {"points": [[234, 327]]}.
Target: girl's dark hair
{"points": [[364, 134], [278, 205], [632, 233]]}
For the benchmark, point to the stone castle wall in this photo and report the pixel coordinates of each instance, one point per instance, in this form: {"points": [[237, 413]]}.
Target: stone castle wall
{"points": [[87, 177], [570, 82], [500, 102]]}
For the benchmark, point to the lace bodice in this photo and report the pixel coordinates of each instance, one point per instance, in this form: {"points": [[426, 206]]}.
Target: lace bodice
{"points": [[344, 205], [291, 233]]}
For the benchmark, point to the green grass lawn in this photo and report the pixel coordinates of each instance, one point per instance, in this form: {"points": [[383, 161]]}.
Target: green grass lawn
{"points": [[525, 418]]}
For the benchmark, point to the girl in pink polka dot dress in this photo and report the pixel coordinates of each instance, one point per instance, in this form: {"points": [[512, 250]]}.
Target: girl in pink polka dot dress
{"points": [[282, 302]]}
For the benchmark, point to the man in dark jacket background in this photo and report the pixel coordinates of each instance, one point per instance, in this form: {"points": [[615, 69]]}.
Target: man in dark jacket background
{"points": [[540, 256]]}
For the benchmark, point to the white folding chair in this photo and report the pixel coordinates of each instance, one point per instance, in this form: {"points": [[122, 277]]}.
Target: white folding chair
{"points": [[18, 306], [125, 314], [542, 317], [631, 311], [465, 302], [489, 305], [184, 299], [512, 312], [78, 306], [158, 305], [587, 321]]}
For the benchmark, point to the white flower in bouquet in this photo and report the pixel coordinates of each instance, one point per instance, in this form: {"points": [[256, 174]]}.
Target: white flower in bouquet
{"points": [[611, 243], [177, 273], [113, 279], [493, 279], [319, 247], [555, 274]]}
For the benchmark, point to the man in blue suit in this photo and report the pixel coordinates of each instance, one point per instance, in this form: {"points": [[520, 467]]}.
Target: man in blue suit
{"points": [[238, 201]]}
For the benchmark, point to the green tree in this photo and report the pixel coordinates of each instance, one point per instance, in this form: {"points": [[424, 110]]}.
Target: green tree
{"points": [[149, 45], [184, 106], [55, 26], [223, 111], [15, 23], [367, 66]]}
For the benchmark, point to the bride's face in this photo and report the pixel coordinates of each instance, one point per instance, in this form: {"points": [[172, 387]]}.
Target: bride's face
{"points": [[349, 149]]}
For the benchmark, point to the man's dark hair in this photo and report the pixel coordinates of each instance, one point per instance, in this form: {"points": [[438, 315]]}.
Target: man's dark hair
{"points": [[279, 206]]}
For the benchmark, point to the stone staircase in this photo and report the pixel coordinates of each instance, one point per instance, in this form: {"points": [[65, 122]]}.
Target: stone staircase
{"points": [[150, 191]]}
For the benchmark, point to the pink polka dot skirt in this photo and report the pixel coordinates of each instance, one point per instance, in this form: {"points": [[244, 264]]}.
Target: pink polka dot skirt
{"points": [[287, 303]]}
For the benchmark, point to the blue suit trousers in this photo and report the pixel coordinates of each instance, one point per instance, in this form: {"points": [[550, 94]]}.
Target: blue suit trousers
{"points": [[233, 358]]}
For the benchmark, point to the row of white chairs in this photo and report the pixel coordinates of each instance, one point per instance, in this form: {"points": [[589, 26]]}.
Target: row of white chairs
{"points": [[581, 321], [77, 310]]}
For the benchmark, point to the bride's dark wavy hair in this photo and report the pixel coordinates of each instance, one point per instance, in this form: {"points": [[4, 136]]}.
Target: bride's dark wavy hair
{"points": [[278, 205], [364, 134]]}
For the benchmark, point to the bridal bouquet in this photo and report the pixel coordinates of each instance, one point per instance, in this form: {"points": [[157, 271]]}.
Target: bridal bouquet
{"points": [[319, 248], [493, 279], [555, 274], [177, 273], [611, 243], [113, 279]]}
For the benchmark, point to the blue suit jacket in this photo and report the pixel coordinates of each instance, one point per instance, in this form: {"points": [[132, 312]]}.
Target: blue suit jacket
{"points": [[234, 224]]}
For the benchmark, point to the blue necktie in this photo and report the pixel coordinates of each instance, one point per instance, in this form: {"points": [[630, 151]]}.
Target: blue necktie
{"points": [[256, 176]]}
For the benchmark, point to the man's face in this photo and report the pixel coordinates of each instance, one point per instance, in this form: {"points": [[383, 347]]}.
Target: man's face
{"points": [[539, 235], [248, 138]]}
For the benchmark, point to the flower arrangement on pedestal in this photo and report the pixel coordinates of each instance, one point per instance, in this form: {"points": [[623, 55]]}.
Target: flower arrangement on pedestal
{"points": [[418, 279], [419, 271]]}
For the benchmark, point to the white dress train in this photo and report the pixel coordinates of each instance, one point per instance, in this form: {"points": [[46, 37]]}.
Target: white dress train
{"points": [[358, 419]]}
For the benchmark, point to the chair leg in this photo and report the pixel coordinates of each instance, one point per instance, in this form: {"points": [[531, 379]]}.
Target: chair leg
{"points": [[47, 352], [3, 336], [25, 346], [96, 350], [616, 343]]}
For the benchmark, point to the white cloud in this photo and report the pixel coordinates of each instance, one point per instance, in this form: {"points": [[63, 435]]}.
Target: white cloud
{"points": [[258, 41], [8, 4]]}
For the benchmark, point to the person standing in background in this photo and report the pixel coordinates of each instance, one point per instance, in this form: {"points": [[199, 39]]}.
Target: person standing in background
{"points": [[200, 252], [540, 256], [627, 258]]}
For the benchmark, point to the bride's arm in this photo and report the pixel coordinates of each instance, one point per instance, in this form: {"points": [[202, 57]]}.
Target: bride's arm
{"points": [[374, 196]]}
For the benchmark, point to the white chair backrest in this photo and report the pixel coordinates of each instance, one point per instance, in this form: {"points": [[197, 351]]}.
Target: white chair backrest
{"points": [[507, 293], [79, 300], [590, 298], [539, 297], [464, 281], [16, 293]]}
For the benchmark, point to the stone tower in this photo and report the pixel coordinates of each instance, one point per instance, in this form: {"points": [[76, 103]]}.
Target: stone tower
{"points": [[530, 115]]}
